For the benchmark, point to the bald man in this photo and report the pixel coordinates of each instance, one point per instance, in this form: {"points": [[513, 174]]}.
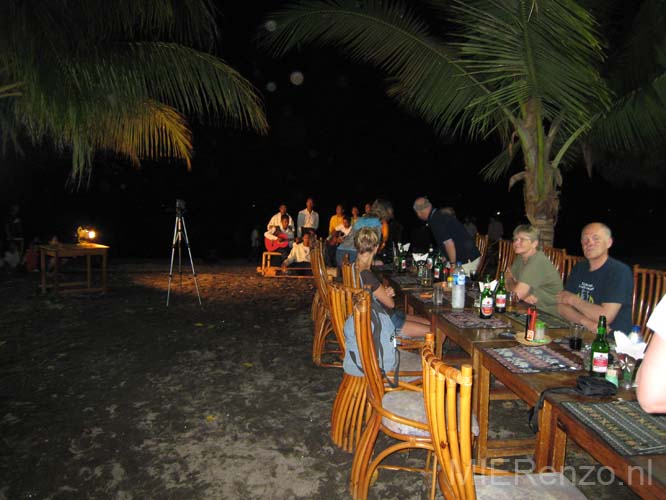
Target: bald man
{"points": [[451, 236], [598, 286]]}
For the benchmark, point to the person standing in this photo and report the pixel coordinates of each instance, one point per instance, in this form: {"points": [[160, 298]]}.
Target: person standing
{"points": [[381, 212], [307, 220], [471, 226], [532, 276], [450, 235], [336, 218], [354, 215], [495, 229], [14, 228], [598, 286], [276, 220]]}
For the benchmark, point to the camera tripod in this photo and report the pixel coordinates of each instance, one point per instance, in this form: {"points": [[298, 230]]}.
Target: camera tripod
{"points": [[180, 236]]}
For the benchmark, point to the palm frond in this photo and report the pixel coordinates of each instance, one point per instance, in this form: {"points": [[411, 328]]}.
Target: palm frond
{"points": [[637, 121], [423, 73], [86, 66], [519, 52], [500, 165]]}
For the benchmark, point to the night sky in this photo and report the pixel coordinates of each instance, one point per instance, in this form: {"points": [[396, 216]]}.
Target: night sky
{"points": [[336, 137]]}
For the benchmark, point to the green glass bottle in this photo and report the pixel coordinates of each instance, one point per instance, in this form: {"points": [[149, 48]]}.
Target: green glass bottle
{"points": [[486, 308], [599, 351], [438, 268], [500, 295]]}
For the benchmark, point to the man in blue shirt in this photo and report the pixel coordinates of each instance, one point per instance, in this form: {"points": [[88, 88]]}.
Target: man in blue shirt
{"points": [[598, 286]]}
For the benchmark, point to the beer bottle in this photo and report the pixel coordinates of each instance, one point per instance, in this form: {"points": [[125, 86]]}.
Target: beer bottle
{"points": [[500, 295], [487, 302], [599, 351], [437, 270]]}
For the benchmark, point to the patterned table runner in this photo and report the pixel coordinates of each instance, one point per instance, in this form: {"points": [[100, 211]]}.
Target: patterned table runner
{"points": [[524, 359], [564, 344], [623, 425], [550, 320], [467, 319]]}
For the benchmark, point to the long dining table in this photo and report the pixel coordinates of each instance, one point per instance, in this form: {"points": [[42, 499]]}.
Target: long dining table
{"points": [[487, 350]]}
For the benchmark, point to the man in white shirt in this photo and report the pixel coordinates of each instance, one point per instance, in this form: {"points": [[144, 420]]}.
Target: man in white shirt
{"points": [[276, 220], [307, 220], [299, 257]]}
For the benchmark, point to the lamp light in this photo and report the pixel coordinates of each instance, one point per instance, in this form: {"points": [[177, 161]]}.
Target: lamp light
{"points": [[84, 235]]}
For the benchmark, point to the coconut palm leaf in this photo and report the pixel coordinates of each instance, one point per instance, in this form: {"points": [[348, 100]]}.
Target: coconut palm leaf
{"points": [[523, 49], [98, 75], [423, 73], [637, 120]]}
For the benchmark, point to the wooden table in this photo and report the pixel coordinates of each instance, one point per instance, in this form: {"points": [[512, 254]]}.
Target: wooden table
{"points": [[63, 250], [645, 474], [527, 387]]}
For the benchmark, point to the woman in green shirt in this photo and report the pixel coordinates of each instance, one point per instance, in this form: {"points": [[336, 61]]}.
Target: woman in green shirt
{"points": [[532, 276]]}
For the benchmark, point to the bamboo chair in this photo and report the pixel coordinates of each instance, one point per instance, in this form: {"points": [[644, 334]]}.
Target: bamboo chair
{"points": [[399, 413], [568, 263], [505, 256], [350, 274], [556, 257], [350, 409], [323, 347], [481, 241], [447, 393], [649, 288]]}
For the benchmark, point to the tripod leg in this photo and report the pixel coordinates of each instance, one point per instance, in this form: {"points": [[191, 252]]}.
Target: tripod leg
{"points": [[180, 251], [173, 251], [189, 251]]}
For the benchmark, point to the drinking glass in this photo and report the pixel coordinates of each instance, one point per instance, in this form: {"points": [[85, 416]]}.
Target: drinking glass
{"points": [[437, 294], [576, 337], [511, 301], [426, 276], [628, 370]]}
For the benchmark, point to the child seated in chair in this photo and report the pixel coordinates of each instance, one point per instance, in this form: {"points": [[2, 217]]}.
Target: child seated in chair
{"points": [[299, 257]]}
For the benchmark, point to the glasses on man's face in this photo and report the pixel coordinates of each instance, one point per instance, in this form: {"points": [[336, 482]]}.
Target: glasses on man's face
{"points": [[517, 239]]}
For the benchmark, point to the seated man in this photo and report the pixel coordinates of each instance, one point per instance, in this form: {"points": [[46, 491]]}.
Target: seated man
{"points": [[598, 286], [299, 257], [280, 238], [340, 232], [532, 276]]}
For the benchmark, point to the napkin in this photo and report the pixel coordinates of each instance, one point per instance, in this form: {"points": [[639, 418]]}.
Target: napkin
{"points": [[493, 284], [403, 247], [625, 346], [419, 256]]}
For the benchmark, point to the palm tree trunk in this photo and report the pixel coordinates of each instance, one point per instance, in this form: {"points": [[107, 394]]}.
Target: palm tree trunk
{"points": [[540, 192]]}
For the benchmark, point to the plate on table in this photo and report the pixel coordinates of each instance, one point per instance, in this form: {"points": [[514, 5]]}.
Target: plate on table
{"points": [[520, 338]]}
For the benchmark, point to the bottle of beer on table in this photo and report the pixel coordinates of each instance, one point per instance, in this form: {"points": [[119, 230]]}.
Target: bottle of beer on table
{"points": [[600, 350], [437, 269], [500, 295], [487, 302]]}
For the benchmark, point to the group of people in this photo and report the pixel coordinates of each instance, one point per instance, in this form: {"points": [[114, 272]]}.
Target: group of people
{"points": [[292, 241], [600, 285]]}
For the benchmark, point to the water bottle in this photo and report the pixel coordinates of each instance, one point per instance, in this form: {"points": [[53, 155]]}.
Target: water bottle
{"points": [[458, 292]]}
